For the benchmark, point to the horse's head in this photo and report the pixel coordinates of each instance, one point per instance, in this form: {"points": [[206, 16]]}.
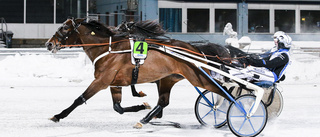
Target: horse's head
{"points": [[66, 34], [69, 33]]}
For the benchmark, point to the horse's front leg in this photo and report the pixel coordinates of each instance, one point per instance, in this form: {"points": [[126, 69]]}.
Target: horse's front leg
{"points": [[135, 93], [116, 97], [94, 87]]}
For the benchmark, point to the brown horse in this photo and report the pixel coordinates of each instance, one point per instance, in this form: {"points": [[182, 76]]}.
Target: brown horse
{"points": [[115, 69], [167, 83]]}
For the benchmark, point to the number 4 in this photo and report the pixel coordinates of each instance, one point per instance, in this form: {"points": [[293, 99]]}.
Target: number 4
{"points": [[140, 47]]}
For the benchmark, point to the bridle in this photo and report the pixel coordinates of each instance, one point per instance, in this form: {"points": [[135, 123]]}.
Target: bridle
{"points": [[63, 37]]}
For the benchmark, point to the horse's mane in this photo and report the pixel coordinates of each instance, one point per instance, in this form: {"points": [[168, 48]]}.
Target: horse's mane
{"points": [[141, 29], [214, 50], [148, 28], [235, 52], [98, 28], [144, 29], [218, 52]]}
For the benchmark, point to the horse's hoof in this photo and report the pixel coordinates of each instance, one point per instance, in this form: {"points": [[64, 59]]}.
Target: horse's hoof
{"points": [[138, 125], [142, 94], [54, 119], [146, 105]]}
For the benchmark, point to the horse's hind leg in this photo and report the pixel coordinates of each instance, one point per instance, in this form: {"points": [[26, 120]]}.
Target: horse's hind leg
{"points": [[94, 87], [116, 97], [164, 86]]}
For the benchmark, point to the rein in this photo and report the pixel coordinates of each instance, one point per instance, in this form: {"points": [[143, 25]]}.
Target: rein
{"points": [[151, 41], [94, 44]]}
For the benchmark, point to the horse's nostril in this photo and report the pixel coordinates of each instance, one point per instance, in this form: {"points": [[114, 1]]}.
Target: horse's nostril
{"points": [[49, 45]]}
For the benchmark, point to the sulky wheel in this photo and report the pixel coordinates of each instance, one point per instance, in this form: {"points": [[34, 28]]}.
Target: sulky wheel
{"points": [[275, 108], [240, 124], [209, 112]]}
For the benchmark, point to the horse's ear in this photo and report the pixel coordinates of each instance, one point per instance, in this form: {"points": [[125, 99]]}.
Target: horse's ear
{"points": [[70, 17], [82, 20]]}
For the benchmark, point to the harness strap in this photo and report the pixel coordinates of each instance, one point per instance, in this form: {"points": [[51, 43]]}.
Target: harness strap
{"points": [[136, 62], [110, 43], [135, 72], [99, 57], [108, 52], [75, 26]]}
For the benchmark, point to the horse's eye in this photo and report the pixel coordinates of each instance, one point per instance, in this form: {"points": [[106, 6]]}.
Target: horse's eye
{"points": [[66, 27]]}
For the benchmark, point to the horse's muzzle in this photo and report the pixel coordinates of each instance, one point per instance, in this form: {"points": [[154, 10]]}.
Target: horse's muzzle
{"points": [[49, 45], [52, 47]]}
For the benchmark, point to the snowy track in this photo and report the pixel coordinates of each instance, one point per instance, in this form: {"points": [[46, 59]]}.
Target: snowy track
{"points": [[25, 112]]}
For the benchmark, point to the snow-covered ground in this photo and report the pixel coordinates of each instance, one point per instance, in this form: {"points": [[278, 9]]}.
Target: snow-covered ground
{"points": [[35, 87]]}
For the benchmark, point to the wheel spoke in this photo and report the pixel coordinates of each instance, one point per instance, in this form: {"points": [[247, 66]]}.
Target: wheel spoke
{"points": [[241, 104], [242, 124], [207, 111], [212, 97], [238, 116], [215, 117], [210, 104], [241, 108], [251, 126], [258, 116], [206, 114], [205, 104], [224, 112], [252, 107]]}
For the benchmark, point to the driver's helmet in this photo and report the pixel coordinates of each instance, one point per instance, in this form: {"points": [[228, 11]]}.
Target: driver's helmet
{"points": [[283, 41], [278, 33]]}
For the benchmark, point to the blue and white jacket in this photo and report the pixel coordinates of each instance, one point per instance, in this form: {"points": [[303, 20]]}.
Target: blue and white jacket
{"points": [[277, 62]]}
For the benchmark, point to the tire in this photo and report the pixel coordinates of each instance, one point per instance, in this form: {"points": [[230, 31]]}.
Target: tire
{"points": [[238, 122], [275, 108], [206, 114]]}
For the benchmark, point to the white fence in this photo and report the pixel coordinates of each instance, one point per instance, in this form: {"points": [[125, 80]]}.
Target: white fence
{"points": [[64, 53]]}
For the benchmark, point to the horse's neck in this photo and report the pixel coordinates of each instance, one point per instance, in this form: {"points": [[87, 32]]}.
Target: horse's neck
{"points": [[94, 52]]}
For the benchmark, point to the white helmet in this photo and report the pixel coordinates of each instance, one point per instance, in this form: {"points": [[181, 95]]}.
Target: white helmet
{"points": [[283, 40], [278, 33]]}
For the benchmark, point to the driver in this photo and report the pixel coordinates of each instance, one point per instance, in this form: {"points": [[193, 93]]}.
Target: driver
{"points": [[270, 68]]}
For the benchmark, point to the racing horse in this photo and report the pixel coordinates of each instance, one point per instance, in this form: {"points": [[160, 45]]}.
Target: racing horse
{"points": [[115, 69], [140, 28]]}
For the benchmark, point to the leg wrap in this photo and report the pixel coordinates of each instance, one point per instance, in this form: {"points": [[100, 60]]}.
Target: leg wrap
{"points": [[159, 115], [135, 73], [134, 91], [151, 114], [118, 108], [79, 101], [134, 108]]}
